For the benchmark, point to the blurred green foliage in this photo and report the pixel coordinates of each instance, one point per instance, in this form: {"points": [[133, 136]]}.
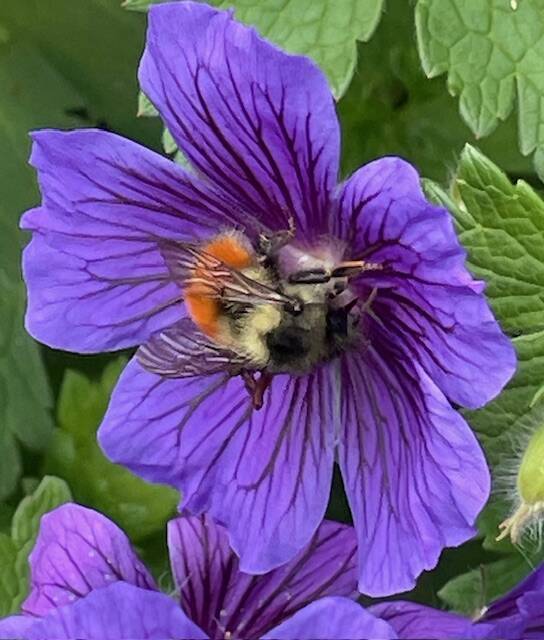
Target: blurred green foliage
{"points": [[72, 63], [138, 507], [17, 544]]}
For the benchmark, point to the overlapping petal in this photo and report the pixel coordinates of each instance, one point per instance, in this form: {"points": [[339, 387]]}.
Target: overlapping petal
{"points": [[508, 604], [15, 627], [414, 473], [256, 121], [413, 621], [95, 277], [220, 598], [332, 618], [531, 608], [425, 296], [120, 611], [265, 474], [78, 551]]}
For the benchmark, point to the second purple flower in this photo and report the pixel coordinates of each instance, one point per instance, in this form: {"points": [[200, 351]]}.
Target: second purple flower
{"points": [[321, 322]]}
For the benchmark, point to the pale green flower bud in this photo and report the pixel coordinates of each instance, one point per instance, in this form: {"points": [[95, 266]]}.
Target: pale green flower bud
{"points": [[530, 489]]}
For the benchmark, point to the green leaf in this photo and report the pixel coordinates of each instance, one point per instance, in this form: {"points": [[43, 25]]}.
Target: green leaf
{"points": [[325, 30], [492, 51], [502, 227], [391, 108], [470, 592], [27, 80], [15, 548], [95, 45], [138, 507]]}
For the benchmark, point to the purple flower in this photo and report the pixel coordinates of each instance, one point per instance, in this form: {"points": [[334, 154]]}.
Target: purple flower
{"points": [[323, 322], [87, 583], [519, 615]]}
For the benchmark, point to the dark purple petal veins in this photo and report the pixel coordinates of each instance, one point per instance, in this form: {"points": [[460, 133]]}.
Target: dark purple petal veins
{"points": [[257, 122], [222, 600], [265, 474], [95, 276], [414, 473], [79, 551], [425, 298]]}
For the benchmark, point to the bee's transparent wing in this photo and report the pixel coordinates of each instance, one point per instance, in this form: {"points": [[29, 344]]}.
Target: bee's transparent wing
{"points": [[189, 264], [182, 351]]}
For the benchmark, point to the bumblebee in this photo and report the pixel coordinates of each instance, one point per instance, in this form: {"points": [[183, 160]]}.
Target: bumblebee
{"points": [[271, 309]]}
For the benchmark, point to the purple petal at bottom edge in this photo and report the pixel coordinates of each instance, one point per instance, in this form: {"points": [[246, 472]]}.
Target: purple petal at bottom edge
{"points": [[118, 612], [331, 618], [15, 627], [413, 621], [265, 475], [79, 550], [248, 605]]}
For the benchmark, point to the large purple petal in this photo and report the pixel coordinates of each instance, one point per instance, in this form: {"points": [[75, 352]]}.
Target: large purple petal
{"points": [[118, 612], [414, 473], [15, 627], [332, 618], [425, 297], [221, 599], [259, 123], [265, 474], [79, 550], [413, 621], [96, 279]]}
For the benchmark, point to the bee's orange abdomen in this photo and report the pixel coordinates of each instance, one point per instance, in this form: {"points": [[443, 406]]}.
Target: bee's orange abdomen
{"points": [[205, 311], [230, 249]]}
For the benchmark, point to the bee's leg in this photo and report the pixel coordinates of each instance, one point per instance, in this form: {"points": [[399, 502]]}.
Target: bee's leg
{"points": [[270, 244], [256, 387]]}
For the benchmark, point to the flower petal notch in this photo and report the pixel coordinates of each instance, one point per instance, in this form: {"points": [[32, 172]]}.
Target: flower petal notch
{"points": [[281, 319], [216, 599]]}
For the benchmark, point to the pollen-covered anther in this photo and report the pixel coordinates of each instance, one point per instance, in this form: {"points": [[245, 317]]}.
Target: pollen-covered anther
{"points": [[530, 490]]}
